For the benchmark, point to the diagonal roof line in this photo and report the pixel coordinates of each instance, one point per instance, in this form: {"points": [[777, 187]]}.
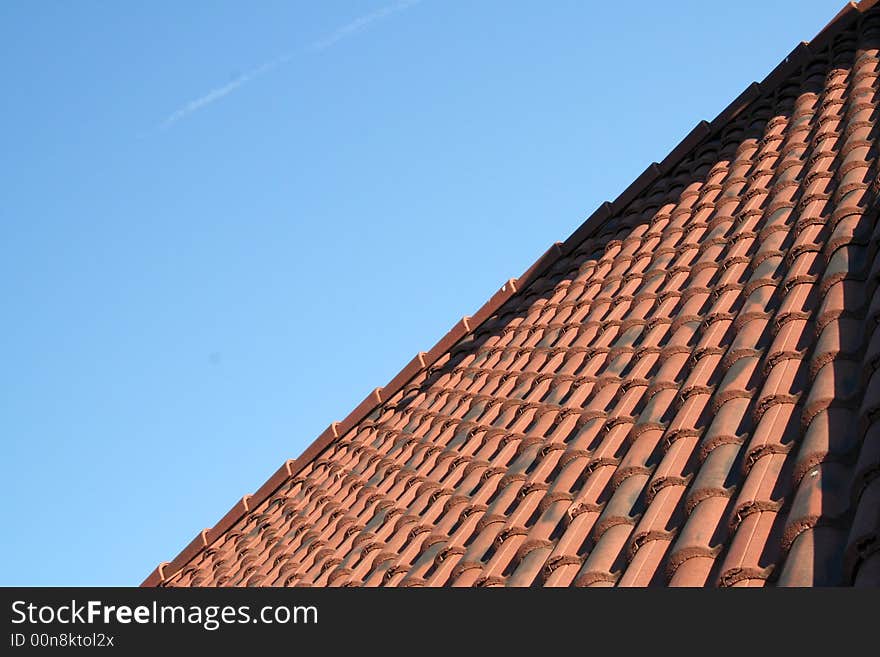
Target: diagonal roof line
{"points": [[798, 57]]}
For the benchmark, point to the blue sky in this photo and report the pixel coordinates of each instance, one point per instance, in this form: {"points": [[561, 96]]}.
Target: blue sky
{"points": [[222, 224]]}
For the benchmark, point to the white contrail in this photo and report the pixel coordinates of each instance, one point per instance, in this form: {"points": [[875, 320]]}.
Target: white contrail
{"points": [[221, 92], [362, 22], [336, 36]]}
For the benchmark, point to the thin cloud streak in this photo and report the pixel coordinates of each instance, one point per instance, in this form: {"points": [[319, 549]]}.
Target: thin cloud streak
{"points": [[221, 92], [361, 23], [357, 25]]}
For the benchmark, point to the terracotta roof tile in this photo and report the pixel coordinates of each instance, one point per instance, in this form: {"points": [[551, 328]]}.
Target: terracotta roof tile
{"points": [[683, 393]]}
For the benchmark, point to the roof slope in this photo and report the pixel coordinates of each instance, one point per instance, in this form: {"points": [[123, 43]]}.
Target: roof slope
{"points": [[682, 393]]}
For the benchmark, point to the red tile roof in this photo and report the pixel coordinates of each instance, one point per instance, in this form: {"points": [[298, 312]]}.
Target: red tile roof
{"points": [[684, 392]]}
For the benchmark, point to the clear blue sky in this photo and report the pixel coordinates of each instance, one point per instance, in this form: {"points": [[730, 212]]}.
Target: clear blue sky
{"points": [[223, 223]]}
